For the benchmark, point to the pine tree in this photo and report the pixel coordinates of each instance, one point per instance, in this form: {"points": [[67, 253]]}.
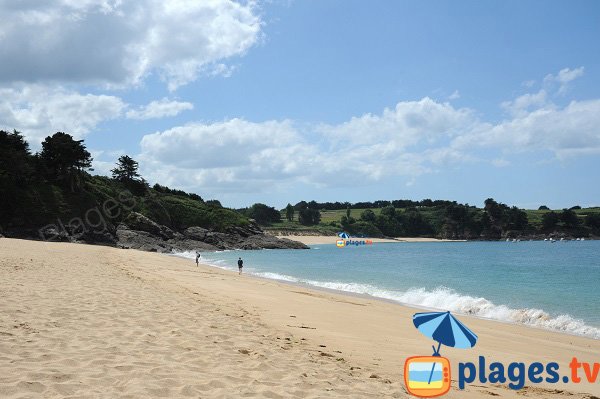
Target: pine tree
{"points": [[126, 170], [289, 212]]}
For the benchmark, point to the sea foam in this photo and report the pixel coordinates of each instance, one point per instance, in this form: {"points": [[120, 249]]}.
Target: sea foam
{"points": [[440, 298]]}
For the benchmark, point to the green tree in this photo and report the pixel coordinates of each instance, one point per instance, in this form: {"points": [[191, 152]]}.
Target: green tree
{"points": [[569, 218], [543, 208], [309, 216], [388, 225], [263, 214], [346, 222], [516, 219], [65, 159], [415, 224], [388, 211], [493, 209], [289, 212], [16, 168], [368, 216], [301, 205], [549, 220], [126, 170], [15, 159], [593, 221]]}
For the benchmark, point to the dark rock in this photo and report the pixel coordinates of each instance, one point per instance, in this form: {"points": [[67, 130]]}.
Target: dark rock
{"points": [[53, 233], [142, 240], [260, 241], [139, 232], [139, 222], [195, 233], [102, 238], [190, 245]]}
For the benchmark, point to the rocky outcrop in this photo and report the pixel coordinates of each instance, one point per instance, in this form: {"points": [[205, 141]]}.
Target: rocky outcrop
{"points": [[140, 232], [138, 222]]}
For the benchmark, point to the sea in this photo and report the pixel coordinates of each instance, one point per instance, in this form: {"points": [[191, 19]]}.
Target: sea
{"points": [[550, 285]]}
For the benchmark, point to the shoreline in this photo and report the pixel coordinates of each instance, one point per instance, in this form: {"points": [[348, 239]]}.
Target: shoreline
{"points": [[160, 326], [310, 239], [417, 307]]}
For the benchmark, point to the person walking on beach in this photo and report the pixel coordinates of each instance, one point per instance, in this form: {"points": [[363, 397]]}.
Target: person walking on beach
{"points": [[240, 264], [197, 257]]}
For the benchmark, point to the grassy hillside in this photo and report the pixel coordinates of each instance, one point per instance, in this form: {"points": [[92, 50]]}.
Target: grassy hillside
{"points": [[104, 200], [177, 211], [535, 216], [435, 216]]}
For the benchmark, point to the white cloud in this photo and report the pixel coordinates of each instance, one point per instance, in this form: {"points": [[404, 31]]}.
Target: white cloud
{"points": [[454, 96], [407, 124], [159, 109], [104, 161], [563, 78], [38, 111], [528, 84], [522, 104], [223, 144], [233, 154], [569, 131], [410, 139], [120, 42], [240, 155]]}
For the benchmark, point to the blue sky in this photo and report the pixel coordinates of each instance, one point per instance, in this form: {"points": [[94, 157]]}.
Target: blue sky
{"points": [[276, 102]]}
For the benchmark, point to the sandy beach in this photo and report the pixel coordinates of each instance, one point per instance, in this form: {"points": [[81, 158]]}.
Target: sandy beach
{"points": [[83, 321], [318, 240]]}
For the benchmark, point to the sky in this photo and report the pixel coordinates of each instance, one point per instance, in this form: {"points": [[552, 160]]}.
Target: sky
{"points": [[282, 101]]}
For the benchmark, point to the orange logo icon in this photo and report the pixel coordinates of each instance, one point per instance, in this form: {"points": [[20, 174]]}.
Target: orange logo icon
{"points": [[427, 376]]}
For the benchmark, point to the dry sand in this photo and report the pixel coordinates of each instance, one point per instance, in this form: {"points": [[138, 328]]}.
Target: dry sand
{"points": [[84, 321], [318, 240]]}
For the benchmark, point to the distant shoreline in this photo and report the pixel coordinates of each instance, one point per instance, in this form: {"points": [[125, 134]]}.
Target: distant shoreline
{"points": [[310, 239], [323, 239]]}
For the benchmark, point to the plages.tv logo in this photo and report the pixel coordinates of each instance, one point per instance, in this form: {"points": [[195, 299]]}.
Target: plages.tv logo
{"points": [[429, 376], [345, 240]]}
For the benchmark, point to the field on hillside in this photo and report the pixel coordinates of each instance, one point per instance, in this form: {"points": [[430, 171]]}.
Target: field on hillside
{"points": [[330, 219]]}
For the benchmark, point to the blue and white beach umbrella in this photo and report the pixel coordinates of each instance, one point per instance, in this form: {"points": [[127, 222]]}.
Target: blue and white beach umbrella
{"points": [[343, 235], [445, 329]]}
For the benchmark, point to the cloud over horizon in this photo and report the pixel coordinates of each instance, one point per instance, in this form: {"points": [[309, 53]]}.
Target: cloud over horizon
{"points": [[38, 111], [409, 139]]}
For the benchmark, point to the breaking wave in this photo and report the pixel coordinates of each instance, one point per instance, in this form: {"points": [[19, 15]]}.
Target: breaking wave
{"points": [[440, 298]]}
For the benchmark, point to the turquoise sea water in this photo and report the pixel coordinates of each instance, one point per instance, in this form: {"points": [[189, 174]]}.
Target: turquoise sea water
{"points": [[543, 284]]}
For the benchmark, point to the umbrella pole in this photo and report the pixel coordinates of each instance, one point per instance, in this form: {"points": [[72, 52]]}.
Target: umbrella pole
{"points": [[435, 353]]}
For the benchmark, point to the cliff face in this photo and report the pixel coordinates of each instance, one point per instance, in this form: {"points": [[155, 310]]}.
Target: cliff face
{"points": [[139, 232]]}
